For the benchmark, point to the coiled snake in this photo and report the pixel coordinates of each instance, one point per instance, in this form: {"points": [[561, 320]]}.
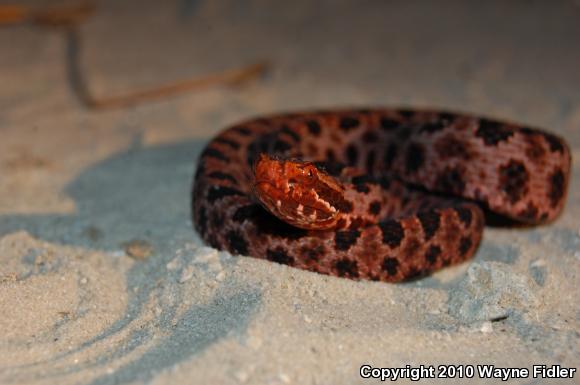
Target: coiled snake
{"points": [[372, 194]]}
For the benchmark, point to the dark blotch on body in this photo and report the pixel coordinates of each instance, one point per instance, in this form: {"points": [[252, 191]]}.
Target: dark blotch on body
{"points": [[451, 147], [391, 265], [330, 155], [232, 143], [282, 146], [432, 253], [213, 241], [375, 208], [447, 117], [314, 253], [244, 131], [385, 182], [530, 213], [279, 255], [345, 239], [331, 168], [344, 206], [493, 132], [405, 133], [357, 223], [406, 113], [362, 188], [556, 181], [218, 192], [464, 215], [555, 143], [247, 212], [393, 232], [347, 123], [268, 224], [200, 171], [389, 124], [360, 183], [444, 119], [415, 157], [237, 243], [451, 181], [370, 137], [362, 179], [432, 127], [416, 272], [214, 153], [314, 127], [430, 222], [288, 131], [346, 268], [464, 246], [412, 247], [222, 176], [202, 221], [370, 162], [351, 154], [390, 155], [535, 149], [216, 219], [513, 179]]}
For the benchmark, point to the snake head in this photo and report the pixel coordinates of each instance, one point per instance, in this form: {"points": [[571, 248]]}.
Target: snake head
{"points": [[298, 192]]}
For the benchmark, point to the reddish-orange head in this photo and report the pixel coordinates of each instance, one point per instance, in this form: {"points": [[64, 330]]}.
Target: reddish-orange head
{"points": [[298, 193]]}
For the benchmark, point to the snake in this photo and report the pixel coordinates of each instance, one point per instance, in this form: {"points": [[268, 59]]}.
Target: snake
{"points": [[382, 194]]}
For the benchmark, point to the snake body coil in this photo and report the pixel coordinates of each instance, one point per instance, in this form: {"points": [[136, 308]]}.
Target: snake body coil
{"points": [[372, 194]]}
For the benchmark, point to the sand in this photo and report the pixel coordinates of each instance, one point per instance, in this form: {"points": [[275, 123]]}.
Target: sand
{"points": [[104, 281]]}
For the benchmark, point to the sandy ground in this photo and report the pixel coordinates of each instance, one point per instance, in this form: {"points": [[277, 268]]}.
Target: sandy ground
{"points": [[104, 281]]}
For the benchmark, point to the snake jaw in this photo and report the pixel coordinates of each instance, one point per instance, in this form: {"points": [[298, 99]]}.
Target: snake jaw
{"points": [[297, 192]]}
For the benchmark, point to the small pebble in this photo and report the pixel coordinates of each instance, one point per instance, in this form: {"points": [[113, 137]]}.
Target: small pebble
{"points": [[486, 327], [173, 264], [220, 276], [138, 249], [538, 263], [186, 274], [205, 255]]}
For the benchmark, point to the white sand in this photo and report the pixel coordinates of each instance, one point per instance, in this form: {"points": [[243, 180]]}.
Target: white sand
{"points": [[76, 185]]}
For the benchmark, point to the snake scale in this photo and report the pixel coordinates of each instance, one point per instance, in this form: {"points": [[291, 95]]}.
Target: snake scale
{"points": [[379, 194]]}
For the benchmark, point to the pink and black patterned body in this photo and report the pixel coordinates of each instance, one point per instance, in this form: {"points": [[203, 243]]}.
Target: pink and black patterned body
{"points": [[412, 203]]}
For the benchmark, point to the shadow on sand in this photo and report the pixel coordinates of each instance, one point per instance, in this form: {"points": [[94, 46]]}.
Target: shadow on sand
{"points": [[141, 193]]}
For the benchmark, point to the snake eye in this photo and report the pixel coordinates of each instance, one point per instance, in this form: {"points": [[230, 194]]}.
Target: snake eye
{"points": [[310, 171]]}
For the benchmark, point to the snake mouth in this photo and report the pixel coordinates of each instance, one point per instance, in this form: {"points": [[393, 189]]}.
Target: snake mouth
{"points": [[295, 212]]}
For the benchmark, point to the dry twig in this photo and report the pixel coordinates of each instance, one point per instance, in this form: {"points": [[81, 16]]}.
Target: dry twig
{"points": [[69, 19]]}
